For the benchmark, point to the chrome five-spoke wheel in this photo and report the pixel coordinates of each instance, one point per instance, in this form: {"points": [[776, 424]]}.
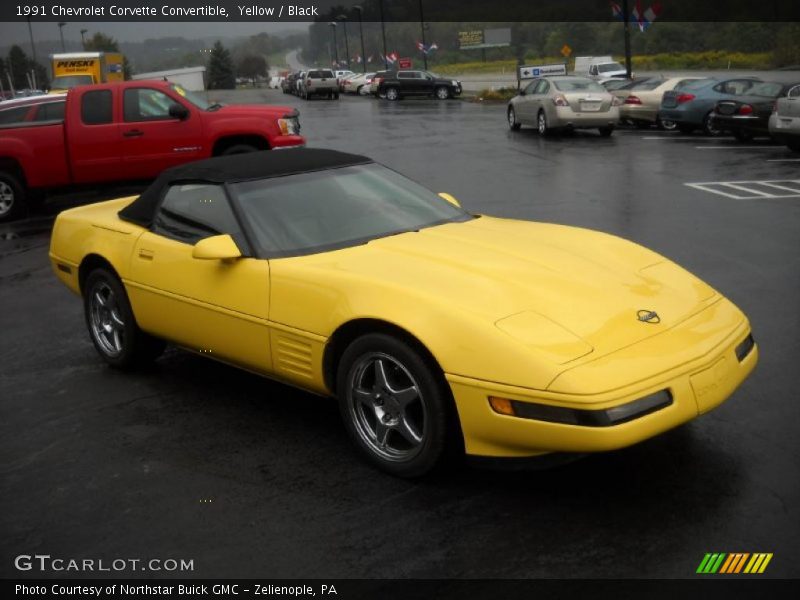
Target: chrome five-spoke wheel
{"points": [[386, 406], [105, 319]]}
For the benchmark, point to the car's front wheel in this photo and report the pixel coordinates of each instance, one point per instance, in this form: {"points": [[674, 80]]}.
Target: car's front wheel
{"points": [[394, 405], [513, 124], [111, 323], [442, 93]]}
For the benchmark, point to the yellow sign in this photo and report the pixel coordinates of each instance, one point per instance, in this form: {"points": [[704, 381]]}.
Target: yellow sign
{"points": [[566, 51]]}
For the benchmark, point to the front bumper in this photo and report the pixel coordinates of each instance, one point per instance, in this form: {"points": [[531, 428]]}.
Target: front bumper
{"points": [[284, 142], [696, 387]]}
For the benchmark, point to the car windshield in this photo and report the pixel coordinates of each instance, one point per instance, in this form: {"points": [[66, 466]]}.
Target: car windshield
{"points": [[768, 90], [606, 67], [578, 85], [66, 82], [337, 208], [649, 84], [195, 99]]}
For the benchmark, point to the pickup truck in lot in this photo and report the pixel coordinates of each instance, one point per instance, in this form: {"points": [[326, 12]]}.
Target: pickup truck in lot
{"points": [[130, 131]]}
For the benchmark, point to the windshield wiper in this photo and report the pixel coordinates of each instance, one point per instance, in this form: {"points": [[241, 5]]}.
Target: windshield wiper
{"points": [[215, 106]]}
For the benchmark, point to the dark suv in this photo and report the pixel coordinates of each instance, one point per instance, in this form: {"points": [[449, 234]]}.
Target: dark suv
{"points": [[418, 83]]}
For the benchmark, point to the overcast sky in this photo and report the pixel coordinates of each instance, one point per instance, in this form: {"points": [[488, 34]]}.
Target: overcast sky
{"points": [[17, 33]]}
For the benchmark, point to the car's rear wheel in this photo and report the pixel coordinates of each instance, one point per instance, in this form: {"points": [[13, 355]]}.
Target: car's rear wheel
{"points": [[666, 125], [392, 94], [394, 406], [512, 119], [442, 93], [541, 124], [111, 323], [606, 131], [708, 126], [12, 197]]}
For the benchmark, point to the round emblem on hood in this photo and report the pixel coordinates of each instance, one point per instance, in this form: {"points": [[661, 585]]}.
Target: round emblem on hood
{"points": [[648, 316]]}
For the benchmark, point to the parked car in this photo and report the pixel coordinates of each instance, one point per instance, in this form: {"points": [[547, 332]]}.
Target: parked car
{"points": [[564, 102], [784, 122], [34, 109], [692, 106], [341, 74], [355, 282], [641, 100], [747, 116], [288, 83], [354, 84], [128, 131], [377, 79], [418, 83], [319, 82], [616, 83]]}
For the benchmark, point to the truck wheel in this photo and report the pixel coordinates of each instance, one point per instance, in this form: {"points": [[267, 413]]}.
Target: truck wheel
{"points": [[442, 93], [392, 94], [239, 149], [606, 131], [12, 197]]}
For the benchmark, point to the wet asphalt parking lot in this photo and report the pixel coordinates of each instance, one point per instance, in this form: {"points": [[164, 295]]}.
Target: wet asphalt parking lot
{"points": [[197, 460]]}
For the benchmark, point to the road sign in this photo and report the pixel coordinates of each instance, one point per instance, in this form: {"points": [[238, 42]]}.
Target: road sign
{"points": [[404, 63], [566, 51], [532, 71]]}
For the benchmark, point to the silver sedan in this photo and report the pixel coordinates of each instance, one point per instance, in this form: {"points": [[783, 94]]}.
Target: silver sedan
{"points": [[564, 102]]}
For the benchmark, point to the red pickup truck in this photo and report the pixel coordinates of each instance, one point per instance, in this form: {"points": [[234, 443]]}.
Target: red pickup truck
{"points": [[129, 131]]}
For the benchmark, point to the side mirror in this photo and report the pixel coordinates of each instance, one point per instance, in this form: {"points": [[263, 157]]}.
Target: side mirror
{"points": [[521, 92], [218, 247], [450, 199], [178, 111]]}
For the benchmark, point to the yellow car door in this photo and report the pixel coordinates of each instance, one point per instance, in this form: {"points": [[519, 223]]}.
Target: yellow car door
{"points": [[215, 306]]}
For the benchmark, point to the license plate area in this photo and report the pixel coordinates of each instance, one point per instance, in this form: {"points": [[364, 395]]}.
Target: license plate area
{"points": [[590, 106]]}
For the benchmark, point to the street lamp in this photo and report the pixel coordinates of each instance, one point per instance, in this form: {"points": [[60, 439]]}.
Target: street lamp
{"points": [[83, 40], [383, 34], [61, 33], [360, 11], [422, 28], [335, 45], [33, 46], [343, 19]]}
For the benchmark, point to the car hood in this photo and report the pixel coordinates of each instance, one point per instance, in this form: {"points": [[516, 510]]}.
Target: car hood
{"points": [[250, 110], [573, 291]]}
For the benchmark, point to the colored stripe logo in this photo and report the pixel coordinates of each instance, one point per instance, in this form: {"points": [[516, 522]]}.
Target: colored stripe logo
{"points": [[734, 563]]}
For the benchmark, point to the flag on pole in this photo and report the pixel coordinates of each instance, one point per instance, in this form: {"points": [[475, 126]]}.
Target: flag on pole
{"points": [[392, 58], [427, 49], [645, 18], [358, 59], [369, 59], [616, 10]]}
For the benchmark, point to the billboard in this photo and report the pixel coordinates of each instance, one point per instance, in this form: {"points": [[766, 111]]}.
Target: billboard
{"points": [[484, 38]]}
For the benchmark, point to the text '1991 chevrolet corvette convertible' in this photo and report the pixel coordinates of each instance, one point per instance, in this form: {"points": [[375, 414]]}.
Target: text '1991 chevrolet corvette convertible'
{"points": [[436, 329]]}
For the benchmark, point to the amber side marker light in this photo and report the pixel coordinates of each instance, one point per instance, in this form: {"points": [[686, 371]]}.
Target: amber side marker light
{"points": [[584, 417]]}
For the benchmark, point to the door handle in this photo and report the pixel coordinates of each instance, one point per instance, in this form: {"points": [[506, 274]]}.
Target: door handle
{"points": [[133, 133], [145, 254]]}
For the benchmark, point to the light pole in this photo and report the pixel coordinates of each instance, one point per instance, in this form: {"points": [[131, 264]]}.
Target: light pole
{"points": [[343, 19], [422, 28], [383, 34], [83, 40], [360, 11], [335, 45], [626, 23], [30, 33], [61, 33]]}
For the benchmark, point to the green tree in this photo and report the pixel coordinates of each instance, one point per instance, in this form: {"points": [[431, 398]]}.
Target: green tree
{"points": [[252, 67], [101, 42], [220, 69]]}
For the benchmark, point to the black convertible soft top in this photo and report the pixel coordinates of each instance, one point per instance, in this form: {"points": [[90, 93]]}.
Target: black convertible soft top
{"points": [[235, 168]]}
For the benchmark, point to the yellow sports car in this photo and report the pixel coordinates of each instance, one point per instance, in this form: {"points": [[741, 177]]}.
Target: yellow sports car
{"points": [[436, 329]]}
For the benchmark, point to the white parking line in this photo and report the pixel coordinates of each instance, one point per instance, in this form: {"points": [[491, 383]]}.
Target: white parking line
{"points": [[726, 188], [783, 160], [735, 147], [675, 137]]}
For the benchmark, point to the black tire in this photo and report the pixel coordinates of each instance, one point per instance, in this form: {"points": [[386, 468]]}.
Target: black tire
{"points": [[13, 197], [708, 126], [742, 136], [336, 95], [238, 149], [442, 93], [641, 124], [112, 326], [606, 131], [410, 407], [392, 94], [513, 124], [666, 125], [794, 145], [541, 124]]}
